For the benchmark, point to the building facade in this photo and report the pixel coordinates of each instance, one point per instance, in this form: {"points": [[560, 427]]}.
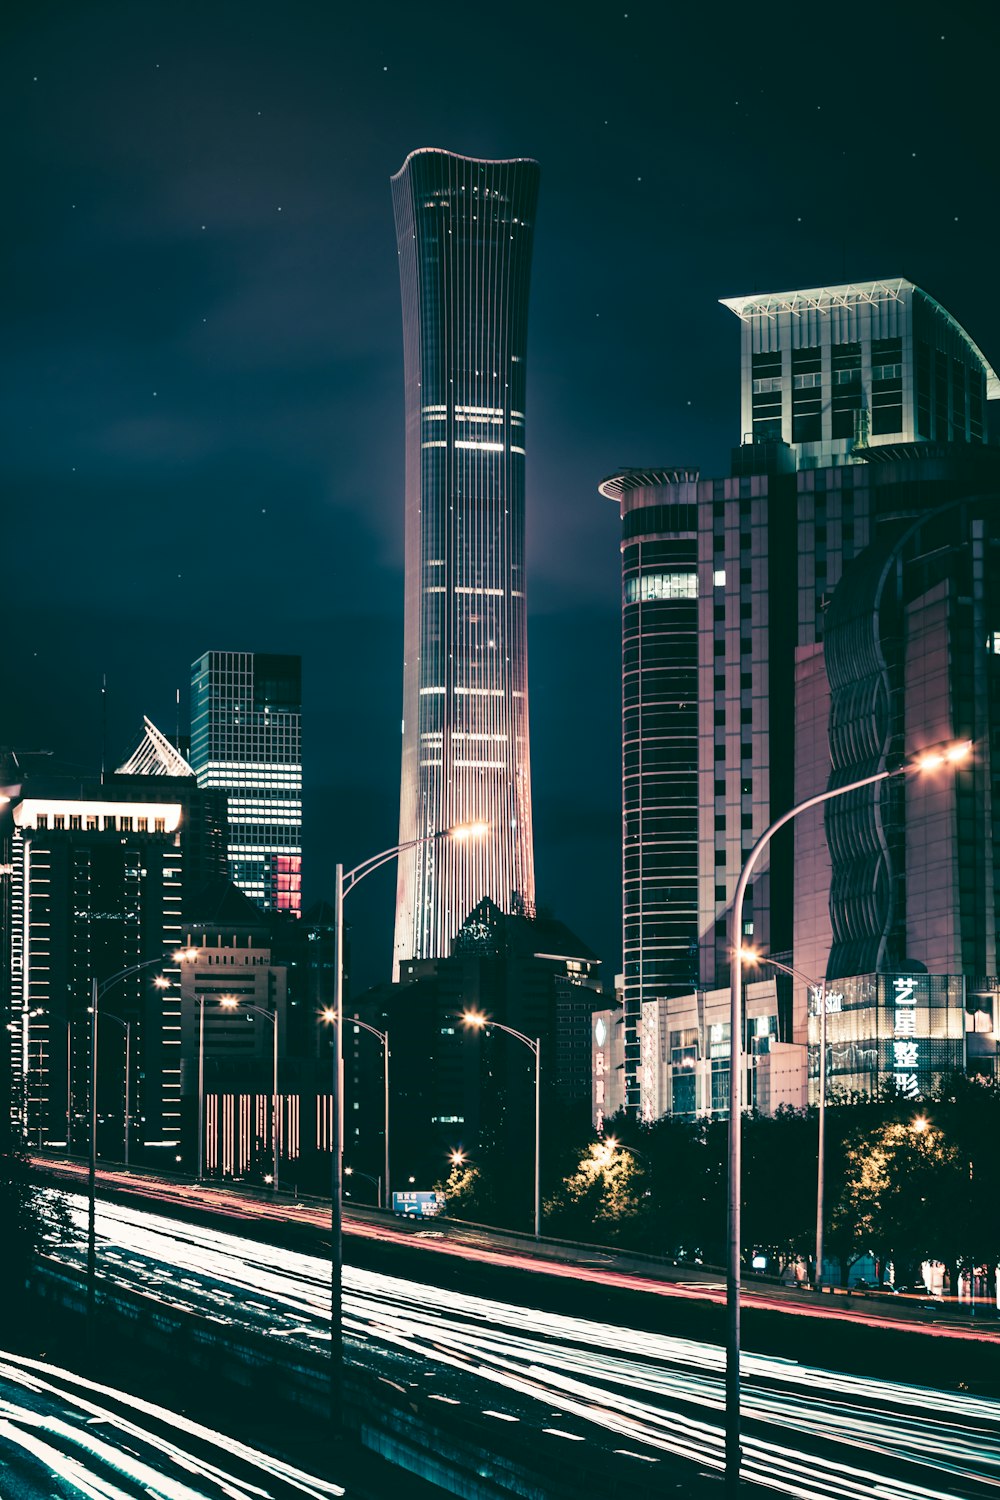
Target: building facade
{"points": [[246, 739], [832, 604], [97, 888], [456, 1089], [464, 230]]}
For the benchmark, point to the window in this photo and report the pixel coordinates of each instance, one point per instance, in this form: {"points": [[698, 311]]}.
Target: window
{"points": [[887, 387], [74, 820], [845, 363], [807, 395], [681, 585], [159, 825], [109, 822], [143, 825], [765, 396], [719, 578], [59, 821], [42, 820]]}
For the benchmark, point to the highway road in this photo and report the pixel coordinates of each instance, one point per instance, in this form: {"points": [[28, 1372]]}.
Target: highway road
{"points": [[63, 1437], [809, 1432], [606, 1268]]}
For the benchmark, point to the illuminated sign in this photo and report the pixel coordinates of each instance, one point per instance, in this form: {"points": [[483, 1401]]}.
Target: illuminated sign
{"points": [[905, 1047]]}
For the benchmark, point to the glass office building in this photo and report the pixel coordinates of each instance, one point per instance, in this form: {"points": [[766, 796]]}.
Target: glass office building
{"points": [[464, 230], [246, 737]]}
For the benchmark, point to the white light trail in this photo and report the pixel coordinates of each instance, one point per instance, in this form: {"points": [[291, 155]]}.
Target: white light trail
{"points": [[652, 1389]]}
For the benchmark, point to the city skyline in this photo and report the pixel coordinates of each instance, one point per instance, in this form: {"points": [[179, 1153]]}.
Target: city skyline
{"points": [[233, 390]]}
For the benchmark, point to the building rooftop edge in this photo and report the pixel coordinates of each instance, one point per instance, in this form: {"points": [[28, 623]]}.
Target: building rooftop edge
{"points": [[483, 161], [820, 297], [623, 481]]}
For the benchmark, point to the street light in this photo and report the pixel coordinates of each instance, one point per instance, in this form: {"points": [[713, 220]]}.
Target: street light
{"points": [[97, 991], [474, 1020], [376, 1181], [328, 1015], [127, 1027], [751, 956], [927, 760], [457, 1158], [232, 1002], [344, 885]]}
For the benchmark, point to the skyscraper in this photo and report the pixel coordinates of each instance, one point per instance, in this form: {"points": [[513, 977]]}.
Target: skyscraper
{"points": [[819, 608], [97, 884], [246, 736], [464, 229]]}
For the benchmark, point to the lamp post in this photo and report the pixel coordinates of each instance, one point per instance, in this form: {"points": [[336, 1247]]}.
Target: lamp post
{"points": [[97, 993], [231, 1002], [476, 1021], [127, 1027], [328, 1015], [344, 885], [375, 1181], [928, 760], [749, 956]]}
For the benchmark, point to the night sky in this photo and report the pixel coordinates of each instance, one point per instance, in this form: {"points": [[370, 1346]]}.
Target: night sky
{"points": [[203, 349]]}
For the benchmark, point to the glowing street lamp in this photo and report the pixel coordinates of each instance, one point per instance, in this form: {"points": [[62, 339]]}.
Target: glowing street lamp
{"points": [[344, 885], [457, 1158], [328, 1015], [931, 759], [475, 1020], [232, 1003], [751, 957]]}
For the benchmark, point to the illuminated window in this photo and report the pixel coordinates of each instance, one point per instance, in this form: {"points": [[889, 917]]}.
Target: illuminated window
{"points": [[661, 586], [719, 578]]}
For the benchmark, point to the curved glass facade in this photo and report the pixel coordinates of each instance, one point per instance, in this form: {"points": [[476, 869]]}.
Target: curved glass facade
{"points": [[464, 230]]}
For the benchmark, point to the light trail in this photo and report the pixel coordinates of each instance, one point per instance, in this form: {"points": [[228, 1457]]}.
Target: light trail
{"points": [[857, 1437], [470, 1243], [63, 1434]]}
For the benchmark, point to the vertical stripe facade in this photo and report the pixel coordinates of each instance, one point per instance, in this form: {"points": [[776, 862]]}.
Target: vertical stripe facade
{"points": [[464, 231]]}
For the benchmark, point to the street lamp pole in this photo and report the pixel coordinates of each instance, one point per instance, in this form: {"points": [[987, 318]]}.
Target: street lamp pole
{"points": [[476, 1021], [232, 1002], [97, 992], [928, 760], [344, 884], [201, 1087], [127, 1027], [818, 987], [383, 1039]]}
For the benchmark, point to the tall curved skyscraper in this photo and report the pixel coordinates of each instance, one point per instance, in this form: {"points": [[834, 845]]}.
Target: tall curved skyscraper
{"points": [[464, 229]]}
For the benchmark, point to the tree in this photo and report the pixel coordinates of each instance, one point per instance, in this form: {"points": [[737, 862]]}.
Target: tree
{"points": [[779, 1183], [902, 1192], [604, 1196], [463, 1191]]}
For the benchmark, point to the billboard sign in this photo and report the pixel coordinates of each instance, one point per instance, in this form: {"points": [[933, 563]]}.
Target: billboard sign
{"points": [[418, 1204]]}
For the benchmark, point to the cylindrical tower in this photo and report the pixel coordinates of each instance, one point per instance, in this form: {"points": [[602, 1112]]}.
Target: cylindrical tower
{"points": [[464, 229], [660, 731]]}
